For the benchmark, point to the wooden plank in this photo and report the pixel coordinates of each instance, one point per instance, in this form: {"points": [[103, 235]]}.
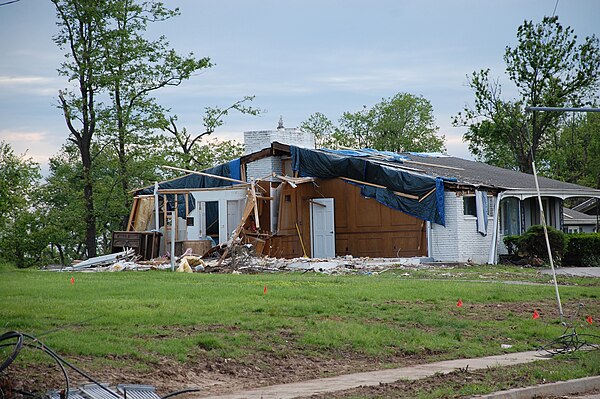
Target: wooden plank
{"points": [[187, 204], [415, 197], [247, 211], [165, 224], [427, 195], [175, 222], [132, 214], [317, 203], [205, 174]]}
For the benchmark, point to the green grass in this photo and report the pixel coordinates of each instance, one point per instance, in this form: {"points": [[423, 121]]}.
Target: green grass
{"points": [[140, 317], [463, 272]]}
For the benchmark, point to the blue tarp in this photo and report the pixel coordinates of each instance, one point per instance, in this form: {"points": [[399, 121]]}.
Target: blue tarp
{"points": [[368, 152], [328, 165], [230, 169]]}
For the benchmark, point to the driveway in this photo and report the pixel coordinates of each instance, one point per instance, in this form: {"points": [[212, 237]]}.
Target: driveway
{"points": [[576, 271]]}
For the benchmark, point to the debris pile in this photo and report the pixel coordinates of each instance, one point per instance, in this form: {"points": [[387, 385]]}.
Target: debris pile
{"points": [[242, 259]]}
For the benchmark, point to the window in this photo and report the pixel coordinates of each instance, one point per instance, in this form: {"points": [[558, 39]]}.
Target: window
{"points": [[470, 207], [510, 219]]}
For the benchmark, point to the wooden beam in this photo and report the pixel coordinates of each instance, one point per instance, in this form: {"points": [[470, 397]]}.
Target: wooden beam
{"points": [[316, 203], [427, 195], [165, 220], [250, 204], [205, 174], [187, 206], [414, 197], [134, 207], [256, 218]]}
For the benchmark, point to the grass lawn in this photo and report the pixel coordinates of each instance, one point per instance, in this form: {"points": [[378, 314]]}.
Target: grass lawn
{"points": [[150, 327]]}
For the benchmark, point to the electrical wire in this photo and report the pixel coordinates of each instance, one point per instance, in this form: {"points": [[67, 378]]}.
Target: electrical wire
{"points": [[36, 344], [570, 340], [20, 340]]}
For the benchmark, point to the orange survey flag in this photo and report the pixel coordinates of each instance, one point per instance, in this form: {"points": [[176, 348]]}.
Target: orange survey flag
{"points": [[459, 303], [536, 315]]}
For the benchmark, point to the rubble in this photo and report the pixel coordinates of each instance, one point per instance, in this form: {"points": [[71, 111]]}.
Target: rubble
{"points": [[242, 259], [103, 260]]}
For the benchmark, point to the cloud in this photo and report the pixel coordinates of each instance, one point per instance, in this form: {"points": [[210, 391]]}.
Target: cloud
{"points": [[37, 145], [39, 85], [22, 137]]}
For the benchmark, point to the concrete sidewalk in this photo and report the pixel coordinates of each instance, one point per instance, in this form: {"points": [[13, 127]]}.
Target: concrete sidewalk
{"points": [[555, 389], [374, 378]]}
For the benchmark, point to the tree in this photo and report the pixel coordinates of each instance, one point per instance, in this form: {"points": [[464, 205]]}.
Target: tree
{"points": [[18, 177], [322, 129], [107, 54], [136, 67], [81, 27], [401, 123], [405, 123], [575, 158], [193, 154], [548, 68], [62, 202], [18, 182]]}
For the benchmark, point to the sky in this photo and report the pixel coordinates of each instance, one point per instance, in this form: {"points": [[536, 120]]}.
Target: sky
{"points": [[297, 57]]}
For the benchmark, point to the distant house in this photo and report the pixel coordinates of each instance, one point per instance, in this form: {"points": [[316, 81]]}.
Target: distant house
{"points": [[590, 206], [579, 222], [326, 203]]}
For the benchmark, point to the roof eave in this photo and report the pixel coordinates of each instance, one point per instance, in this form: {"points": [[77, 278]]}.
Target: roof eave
{"points": [[523, 193]]}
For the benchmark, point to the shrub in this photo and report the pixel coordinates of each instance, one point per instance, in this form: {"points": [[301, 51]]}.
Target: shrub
{"points": [[583, 249], [512, 244], [533, 243]]}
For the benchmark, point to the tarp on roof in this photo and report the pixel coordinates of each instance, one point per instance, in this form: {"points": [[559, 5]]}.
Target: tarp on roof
{"points": [[370, 152], [429, 190], [192, 181]]}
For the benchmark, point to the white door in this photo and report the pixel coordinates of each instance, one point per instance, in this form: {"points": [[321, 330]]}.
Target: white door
{"points": [[322, 227]]}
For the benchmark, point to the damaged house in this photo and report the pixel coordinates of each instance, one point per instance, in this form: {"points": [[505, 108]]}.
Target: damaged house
{"points": [[291, 200]]}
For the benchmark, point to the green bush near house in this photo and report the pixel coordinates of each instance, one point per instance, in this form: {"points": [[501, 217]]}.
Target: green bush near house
{"points": [[583, 249], [532, 244], [512, 244]]}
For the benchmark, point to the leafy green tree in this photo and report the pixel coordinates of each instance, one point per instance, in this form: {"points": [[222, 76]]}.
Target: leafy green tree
{"points": [[108, 57], [62, 202], [549, 68], [322, 129], [18, 176], [19, 179], [81, 28], [576, 155], [137, 67], [404, 122]]}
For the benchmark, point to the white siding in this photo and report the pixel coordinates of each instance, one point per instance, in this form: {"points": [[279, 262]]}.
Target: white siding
{"points": [[459, 241]]}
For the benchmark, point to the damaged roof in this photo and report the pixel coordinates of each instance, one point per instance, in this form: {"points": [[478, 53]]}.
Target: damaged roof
{"points": [[461, 173], [478, 173]]}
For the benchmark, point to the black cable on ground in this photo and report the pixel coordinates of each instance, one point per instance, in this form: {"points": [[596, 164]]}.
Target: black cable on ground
{"points": [[18, 346], [36, 344]]}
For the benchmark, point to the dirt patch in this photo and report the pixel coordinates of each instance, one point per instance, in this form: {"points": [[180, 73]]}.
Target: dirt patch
{"points": [[281, 364], [214, 376]]}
